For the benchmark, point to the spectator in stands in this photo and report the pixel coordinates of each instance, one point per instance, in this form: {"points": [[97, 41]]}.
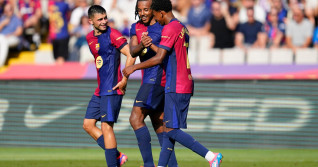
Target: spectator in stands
{"points": [[282, 12], [311, 10], [10, 32], [275, 29], [222, 24], [58, 30], [198, 26], [265, 5], [251, 33], [125, 28], [77, 13], [315, 38], [299, 31], [259, 13], [30, 11], [198, 18], [80, 33], [180, 9]]}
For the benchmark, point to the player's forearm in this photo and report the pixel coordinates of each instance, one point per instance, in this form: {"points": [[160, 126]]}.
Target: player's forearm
{"points": [[136, 50], [149, 63], [154, 48], [307, 42]]}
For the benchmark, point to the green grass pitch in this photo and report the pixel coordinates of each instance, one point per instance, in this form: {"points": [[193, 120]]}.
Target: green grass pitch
{"points": [[63, 157]]}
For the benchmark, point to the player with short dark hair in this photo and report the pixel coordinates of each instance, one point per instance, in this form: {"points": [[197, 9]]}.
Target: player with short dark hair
{"points": [[106, 44], [145, 34], [179, 84]]}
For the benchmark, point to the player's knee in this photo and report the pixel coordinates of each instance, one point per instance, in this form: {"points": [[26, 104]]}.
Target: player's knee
{"points": [[87, 127], [136, 122], [132, 120]]}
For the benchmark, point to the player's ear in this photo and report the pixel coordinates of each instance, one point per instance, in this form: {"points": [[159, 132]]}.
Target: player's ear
{"points": [[162, 13], [90, 21]]}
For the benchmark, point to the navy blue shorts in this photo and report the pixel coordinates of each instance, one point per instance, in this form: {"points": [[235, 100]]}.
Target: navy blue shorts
{"points": [[150, 96], [176, 110], [104, 108]]}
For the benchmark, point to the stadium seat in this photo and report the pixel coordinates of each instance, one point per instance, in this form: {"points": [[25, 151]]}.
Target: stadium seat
{"points": [[233, 56], [210, 57], [306, 56], [281, 56], [44, 54], [257, 56]]}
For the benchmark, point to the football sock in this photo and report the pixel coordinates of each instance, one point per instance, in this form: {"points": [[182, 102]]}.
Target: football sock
{"points": [[188, 141], [209, 156], [100, 142], [173, 160], [111, 157], [166, 150], [144, 143]]}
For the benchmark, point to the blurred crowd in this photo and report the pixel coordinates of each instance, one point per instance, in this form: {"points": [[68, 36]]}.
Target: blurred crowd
{"points": [[25, 24]]}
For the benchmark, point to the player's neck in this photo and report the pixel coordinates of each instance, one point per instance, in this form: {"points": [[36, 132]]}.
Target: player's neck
{"points": [[169, 16], [98, 32]]}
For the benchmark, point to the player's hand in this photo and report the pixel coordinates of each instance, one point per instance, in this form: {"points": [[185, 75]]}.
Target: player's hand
{"points": [[144, 34], [128, 70], [121, 86], [146, 41]]}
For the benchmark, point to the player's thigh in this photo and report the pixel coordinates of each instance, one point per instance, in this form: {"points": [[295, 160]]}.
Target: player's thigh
{"points": [[176, 110], [156, 118], [93, 108], [110, 107], [138, 114], [150, 96]]}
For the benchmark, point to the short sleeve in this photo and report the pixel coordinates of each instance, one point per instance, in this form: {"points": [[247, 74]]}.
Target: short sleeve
{"points": [[309, 29], [132, 31], [168, 37], [117, 39]]}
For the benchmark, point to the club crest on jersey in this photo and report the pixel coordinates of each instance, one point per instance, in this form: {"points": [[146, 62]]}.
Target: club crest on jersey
{"points": [[99, 62], [97, 46]]}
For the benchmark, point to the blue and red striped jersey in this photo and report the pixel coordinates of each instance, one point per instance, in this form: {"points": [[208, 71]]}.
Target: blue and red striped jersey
{"points": [[106, 50], [58, 19], [175, 39], [155, 74]]}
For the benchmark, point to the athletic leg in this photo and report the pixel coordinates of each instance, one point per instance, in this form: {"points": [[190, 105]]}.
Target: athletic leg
{"points": [[136, 120], [110, 144], [157, 123], [89, 125]]}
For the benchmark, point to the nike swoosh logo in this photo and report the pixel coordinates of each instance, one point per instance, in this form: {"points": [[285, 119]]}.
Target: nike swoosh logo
{"points": [[37, 121], [103, 116], [138, 101], [90, 43]]}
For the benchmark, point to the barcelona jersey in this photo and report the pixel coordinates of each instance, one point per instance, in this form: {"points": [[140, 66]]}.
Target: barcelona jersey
{"points": [[106, 51], [155, 74], [175, 39], [58, 11]]}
